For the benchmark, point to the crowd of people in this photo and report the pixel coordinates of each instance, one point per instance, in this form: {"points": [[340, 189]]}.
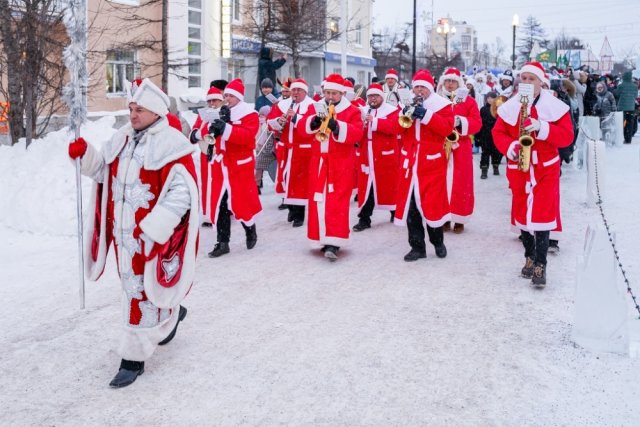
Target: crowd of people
{"points": [[400, 150]]}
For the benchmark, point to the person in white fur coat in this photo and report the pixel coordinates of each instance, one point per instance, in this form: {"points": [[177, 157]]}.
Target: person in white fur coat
{"points": [[145, 201]]}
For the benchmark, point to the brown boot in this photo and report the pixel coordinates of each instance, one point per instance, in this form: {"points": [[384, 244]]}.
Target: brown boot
{"points": [[446, 226], [458, 228], [539, 278], [527, 270]]}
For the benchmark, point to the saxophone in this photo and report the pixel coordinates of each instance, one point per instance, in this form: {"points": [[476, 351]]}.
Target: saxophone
{"points": [[525, 139], [454, 136]]}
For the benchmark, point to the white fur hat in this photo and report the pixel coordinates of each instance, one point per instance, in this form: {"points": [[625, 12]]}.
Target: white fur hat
{"points": [[151, 97]]}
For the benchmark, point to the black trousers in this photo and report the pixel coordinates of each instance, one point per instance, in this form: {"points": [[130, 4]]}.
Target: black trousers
{"points": [[536, 245], [223, 224], [489, 151], [630, 125], [296, 212], [367, 208], [416, 229]]}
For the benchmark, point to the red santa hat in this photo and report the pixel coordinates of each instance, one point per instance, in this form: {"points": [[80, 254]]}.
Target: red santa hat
{"points": [[214, 93], [534, 68], [391, 74], [235, 88], [300, 84], [334, 82], [453, 74], [151, 97], [375, 89], [423, 78], [348, 86]]}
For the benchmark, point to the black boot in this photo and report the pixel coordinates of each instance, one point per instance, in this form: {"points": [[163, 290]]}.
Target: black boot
{"points": [[553, 247], [527, 270], [483, 175], [127, 374], [182, 314], [330, 252], [207, 224], [362, 224], [282, 206], [414, 255], [219, 249], [496, 170], [393, 214], [539, 278], [252, 236], [441, 250]]}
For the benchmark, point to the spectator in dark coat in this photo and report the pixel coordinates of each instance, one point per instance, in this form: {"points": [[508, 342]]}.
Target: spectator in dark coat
{"points": [[605, 103], [484, 138], [267, 67], [626, 94], [266, 87]]}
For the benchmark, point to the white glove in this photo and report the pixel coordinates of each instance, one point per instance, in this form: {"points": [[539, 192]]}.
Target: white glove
{"points": [[458, 121], [513, 151], [532, 125]]}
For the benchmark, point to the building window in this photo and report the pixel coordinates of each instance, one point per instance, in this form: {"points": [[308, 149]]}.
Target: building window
{"points": [[358, 34], [194, 43], [236, 10], [360, 79], [121, 65], [466, 42]]}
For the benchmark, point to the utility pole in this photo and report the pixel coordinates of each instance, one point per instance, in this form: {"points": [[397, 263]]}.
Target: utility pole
{"points": [[413, 57]]}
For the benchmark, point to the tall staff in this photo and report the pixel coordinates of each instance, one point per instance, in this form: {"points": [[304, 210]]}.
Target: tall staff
{"points": [[75, 95]]}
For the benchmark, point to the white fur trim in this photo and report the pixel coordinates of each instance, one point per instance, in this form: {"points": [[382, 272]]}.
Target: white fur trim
{"points": [[300, 85], [543, 133], [137, 343], [427, 117], [159, 224], [391, 76], [533, 70], [93, 269], [464, 125], [234, 93], [215, 96], [227, 131], [333, 86], [423, 83], [342, 132], [375, 92]]}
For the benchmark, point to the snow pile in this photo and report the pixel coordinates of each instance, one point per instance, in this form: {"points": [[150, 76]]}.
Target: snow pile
{"points": [[38, 191]]}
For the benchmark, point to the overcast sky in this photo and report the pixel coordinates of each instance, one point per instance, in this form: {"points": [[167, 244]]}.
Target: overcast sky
{"points": [[589, 20]]}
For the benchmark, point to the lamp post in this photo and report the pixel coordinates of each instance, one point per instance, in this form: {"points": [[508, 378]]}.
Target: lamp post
{"points": [[444, 30], [514, 24]]}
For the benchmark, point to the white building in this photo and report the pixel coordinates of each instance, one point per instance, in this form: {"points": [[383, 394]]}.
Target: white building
{"points": [[461, 37]]}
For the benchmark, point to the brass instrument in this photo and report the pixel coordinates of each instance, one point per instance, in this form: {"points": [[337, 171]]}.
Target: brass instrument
{"points": [[324, 132], [454, 136], [406, 119], [496, 104], [364, 119], [525, 139]]}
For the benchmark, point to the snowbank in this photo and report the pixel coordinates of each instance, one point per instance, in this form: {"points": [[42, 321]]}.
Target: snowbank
{"points": [[38, 191]]}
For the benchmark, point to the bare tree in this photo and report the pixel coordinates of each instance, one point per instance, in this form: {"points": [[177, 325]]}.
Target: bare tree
{"points": [[32, 39]]}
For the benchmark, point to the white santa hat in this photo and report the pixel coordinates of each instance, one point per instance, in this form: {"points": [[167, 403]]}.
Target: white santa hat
{"points": [[151, 97], [300, 84], [334, 82], [348, 86], [235, 88], [534, 68], [391, 74], [214, 93], [375, 89]]}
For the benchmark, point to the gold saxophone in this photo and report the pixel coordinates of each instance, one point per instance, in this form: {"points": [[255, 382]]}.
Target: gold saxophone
{"points": [[525, 139], [324, 132], [454, 136]]}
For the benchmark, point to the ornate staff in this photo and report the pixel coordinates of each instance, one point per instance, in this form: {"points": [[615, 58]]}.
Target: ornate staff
{"points": [[75, 95]]}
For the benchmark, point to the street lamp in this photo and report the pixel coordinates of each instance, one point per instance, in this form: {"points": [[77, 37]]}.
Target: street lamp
{"points": [[514, 24], [444, 29]]}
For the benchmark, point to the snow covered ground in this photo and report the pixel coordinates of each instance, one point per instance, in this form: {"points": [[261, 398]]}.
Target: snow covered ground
{"points": [[279, 336]]}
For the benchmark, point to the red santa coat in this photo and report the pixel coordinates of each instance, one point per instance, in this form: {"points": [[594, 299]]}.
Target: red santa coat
{"points": [[202, 128], [296, 169], [282, 143], [535, 194], [423, 169], [331, 177], [460, 165], [127, 201], [233, 166], [378, 160]]}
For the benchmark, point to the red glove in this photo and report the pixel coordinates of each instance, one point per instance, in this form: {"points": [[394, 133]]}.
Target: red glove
{"points": [[77, 148]]}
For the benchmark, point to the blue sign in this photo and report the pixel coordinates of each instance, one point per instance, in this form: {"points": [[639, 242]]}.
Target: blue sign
{"points": [[245, 45]]}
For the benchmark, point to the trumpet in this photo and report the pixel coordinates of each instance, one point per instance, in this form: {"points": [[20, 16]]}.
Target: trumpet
{"points": [[406, 119], [451, 139], [525, 139], [324, 132]]}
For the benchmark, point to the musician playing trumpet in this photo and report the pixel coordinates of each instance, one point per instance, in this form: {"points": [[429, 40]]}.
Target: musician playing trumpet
{"points": [[331, 167], [378, 160], [286, 120], [534, 179], [460, 150], [422, 183]]}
